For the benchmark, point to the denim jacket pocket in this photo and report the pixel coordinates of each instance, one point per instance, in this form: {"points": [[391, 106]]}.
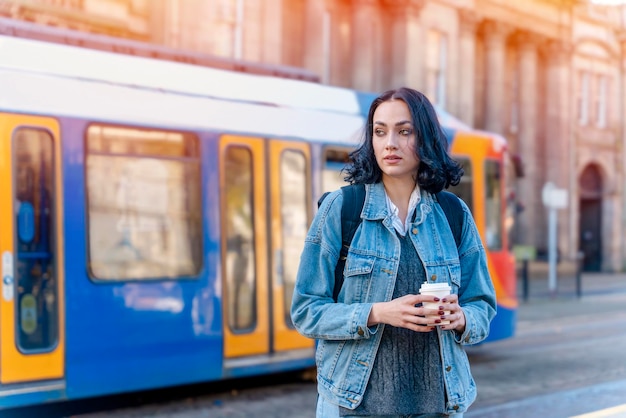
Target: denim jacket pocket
{"points": [[357, 277], [448, 272], [455, 275]]}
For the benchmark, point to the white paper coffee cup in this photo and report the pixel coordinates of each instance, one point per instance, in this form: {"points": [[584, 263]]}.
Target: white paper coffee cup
{"points": [[435, 289]]}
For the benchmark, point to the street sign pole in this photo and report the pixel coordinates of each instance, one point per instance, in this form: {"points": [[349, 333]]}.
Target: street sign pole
{"points": [[552, 253], [553, 198]]}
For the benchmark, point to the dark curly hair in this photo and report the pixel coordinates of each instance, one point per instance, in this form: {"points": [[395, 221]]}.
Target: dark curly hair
{"points": [[437, 170]]}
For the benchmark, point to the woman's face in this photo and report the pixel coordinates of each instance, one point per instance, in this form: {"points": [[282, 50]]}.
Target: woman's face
{"points": [[393, 140]]}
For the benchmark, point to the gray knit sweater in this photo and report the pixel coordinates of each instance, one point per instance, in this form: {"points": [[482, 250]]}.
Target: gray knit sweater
{"points": [[407, 377]]}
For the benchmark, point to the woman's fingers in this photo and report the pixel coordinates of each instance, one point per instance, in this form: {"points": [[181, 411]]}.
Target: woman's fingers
{"points": [[454, 313]]}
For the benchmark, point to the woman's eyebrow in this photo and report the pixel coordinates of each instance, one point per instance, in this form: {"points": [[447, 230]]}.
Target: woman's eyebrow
{"points": [[402, 122]]}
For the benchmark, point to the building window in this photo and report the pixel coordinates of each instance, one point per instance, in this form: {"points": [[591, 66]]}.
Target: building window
{"points": [[228, 28], [67, 4], [327, 46], [601, 101], [238, 30], [174, 25], [514, 122], [583, 98], [437, 57]]}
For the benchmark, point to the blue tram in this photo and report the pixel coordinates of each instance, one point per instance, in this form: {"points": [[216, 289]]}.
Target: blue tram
{"points": [[152, 218]]}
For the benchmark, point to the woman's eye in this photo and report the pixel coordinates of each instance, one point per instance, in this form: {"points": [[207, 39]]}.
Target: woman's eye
{"points": [[405, 132], [379, 132]]}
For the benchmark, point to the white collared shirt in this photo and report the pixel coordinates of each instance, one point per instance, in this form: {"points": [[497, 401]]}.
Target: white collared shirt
{"points": [[403, 226]]}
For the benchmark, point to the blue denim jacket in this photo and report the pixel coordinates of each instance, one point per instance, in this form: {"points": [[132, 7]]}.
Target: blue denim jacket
{"points": [[347, 346]]}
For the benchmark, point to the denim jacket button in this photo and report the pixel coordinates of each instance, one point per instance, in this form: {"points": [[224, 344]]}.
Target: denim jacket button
{"points": [[360, 331], [414, 231], [448, 368], [433, 277]]}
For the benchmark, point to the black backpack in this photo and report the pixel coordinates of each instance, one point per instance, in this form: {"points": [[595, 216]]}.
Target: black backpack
{"points": [[353, 200]]}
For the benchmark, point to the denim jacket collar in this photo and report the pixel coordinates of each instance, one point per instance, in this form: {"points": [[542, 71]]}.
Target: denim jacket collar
{"points": [[375, 206]]}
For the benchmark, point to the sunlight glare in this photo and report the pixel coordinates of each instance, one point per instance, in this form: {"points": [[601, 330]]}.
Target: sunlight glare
{"points": [[609, 2]]}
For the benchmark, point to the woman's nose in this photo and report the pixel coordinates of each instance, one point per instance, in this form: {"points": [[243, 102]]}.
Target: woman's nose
{"points": [[391, 142]]}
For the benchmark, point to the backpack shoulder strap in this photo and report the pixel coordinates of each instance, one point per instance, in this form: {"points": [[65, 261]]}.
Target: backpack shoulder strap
{"points": [[353, 200], [321, 199], [451, 206]]}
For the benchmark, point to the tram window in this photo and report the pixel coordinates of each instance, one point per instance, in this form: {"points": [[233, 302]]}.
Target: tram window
{"points": [[239, 262], [464, 188], [294, 218], [36, 276], [143, 202], [332, 176], [493, 205]]}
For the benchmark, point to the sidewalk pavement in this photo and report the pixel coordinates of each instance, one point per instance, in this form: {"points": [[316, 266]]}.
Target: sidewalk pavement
{"points": [[596, 293], [569, 282], [543, 370]]}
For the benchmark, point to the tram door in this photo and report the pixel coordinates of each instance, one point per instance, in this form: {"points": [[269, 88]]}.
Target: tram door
{"points": [[265, 216], [289, 168], [32, 346]]}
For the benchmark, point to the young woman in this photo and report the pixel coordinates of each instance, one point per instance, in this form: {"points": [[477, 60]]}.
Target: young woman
{"points": [[380, 352]]}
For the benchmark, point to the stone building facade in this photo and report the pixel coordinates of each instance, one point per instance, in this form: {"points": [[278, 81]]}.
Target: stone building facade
{"points": [[549, 75]]}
